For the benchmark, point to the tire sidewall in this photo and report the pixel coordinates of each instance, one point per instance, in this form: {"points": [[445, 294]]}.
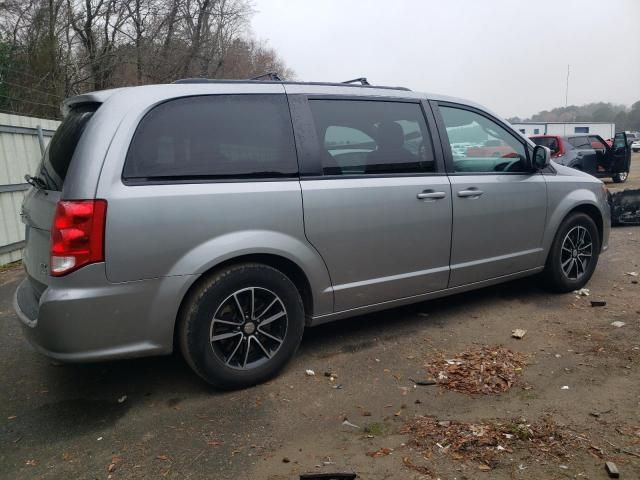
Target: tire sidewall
{"points": [[554, 267], [200, 315], [617, 178]]}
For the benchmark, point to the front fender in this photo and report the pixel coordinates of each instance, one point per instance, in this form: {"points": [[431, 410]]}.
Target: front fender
{"points": [[561, 203]]}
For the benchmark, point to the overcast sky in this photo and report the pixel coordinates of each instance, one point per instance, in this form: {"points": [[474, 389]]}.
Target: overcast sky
{"points": [[509, 55]]}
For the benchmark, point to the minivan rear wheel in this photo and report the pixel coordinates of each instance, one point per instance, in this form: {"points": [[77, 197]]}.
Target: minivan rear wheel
{"points": [[241, 325], [574, 254]]}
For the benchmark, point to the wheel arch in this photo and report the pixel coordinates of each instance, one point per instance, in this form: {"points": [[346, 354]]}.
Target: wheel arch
{"points": [[588, 208], [285, 265]]}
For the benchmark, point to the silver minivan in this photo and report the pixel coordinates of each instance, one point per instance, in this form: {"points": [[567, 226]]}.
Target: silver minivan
{"points": [[221, 218]]}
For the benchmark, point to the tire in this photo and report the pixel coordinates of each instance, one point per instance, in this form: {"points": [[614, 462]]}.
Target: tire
{"points": [[620, 177], [556, 278], [224, 362]]}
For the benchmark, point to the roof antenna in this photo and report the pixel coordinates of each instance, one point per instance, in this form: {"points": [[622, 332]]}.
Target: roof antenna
{"points": [[361, 80], [269, 76]]}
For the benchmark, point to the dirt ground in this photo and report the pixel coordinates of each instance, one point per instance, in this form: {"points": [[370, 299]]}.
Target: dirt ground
{"points": [[153, 418]]}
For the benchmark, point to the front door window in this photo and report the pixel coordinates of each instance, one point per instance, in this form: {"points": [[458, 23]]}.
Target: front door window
{"points": [[480, 145]]}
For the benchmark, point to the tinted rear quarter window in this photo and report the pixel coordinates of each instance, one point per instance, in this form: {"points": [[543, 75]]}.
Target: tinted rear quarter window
{"points": [[57, 158], [214, 137]]}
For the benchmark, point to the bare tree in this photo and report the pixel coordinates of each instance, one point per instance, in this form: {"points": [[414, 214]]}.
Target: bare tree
{"points": [[50, 49]]}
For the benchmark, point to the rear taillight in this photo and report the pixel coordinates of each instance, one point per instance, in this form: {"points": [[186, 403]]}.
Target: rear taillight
{"points": [[77, 235]]}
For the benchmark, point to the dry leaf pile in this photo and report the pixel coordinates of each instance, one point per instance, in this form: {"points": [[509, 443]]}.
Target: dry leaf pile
{"points": [[484, 442], [486, 370]]}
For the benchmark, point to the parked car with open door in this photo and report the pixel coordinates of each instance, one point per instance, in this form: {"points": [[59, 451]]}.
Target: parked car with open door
{"points": [[591, 154]]}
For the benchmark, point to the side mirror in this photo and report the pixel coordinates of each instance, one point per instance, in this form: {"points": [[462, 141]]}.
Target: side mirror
{"points": [[541, 157]]}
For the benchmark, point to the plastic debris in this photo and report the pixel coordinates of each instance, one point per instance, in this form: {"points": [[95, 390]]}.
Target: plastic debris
{"points": [[424, 383], [122, 399], [583, 292], [309, 373], [325, 476], [518, 333], [618, 324], [564, 387], [632, 274], [612, 469], [347, 423]]}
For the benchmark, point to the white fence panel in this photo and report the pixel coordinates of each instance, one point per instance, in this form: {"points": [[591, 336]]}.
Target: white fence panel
{"points": [[19, 155]]}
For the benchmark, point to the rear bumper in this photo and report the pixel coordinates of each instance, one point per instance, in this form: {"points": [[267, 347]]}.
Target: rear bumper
{"points": [[94, 322]]}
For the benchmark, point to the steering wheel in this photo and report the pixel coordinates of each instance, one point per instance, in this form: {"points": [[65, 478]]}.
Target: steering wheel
{"points": [[507, 166]]}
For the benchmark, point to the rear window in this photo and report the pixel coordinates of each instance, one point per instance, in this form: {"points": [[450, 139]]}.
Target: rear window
{"points": [[214, 137], [550, 142], [580, 142], [57, 157]]}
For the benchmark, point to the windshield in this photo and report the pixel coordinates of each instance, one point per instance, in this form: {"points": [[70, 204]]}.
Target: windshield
{"points": [[57, 157]]}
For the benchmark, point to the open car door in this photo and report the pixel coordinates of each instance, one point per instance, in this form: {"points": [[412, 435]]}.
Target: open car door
{"points": [[621, 158]]}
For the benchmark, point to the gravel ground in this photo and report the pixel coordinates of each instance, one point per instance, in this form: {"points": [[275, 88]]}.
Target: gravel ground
{"points": [[153, 418]]}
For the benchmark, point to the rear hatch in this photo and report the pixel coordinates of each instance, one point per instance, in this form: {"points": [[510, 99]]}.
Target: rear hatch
{"points": [[39, 205]]}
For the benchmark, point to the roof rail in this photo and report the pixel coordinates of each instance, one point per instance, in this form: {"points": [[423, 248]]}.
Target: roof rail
{"points": [[192, 80], [271, 78], [361, 80]]}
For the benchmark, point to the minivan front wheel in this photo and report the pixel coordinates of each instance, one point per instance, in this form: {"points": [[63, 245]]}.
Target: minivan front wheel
{"points": [[241, 325], [574, 254]]}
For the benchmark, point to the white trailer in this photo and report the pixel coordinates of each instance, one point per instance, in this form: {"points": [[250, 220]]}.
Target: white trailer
{"points": [[604, 129]]}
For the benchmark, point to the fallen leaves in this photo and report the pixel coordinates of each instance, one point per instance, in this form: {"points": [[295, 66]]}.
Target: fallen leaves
{"points": [[484, 442], [382, 452], [488, 370]]}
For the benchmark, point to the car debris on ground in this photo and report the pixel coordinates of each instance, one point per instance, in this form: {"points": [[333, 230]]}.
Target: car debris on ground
{"points": [[425, 383], [487, 370], [328, 476], [612, 469], [625, 207], [598, 303], [347, 423], [518, 333]]}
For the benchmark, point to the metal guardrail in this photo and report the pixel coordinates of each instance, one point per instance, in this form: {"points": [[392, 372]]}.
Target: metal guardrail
{"points": [[12, 247], [14, 187], [26, 130]]}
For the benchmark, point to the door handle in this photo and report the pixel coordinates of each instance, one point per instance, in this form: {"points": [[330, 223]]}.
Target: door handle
{"points": [[431, 195], [472, 192]]}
